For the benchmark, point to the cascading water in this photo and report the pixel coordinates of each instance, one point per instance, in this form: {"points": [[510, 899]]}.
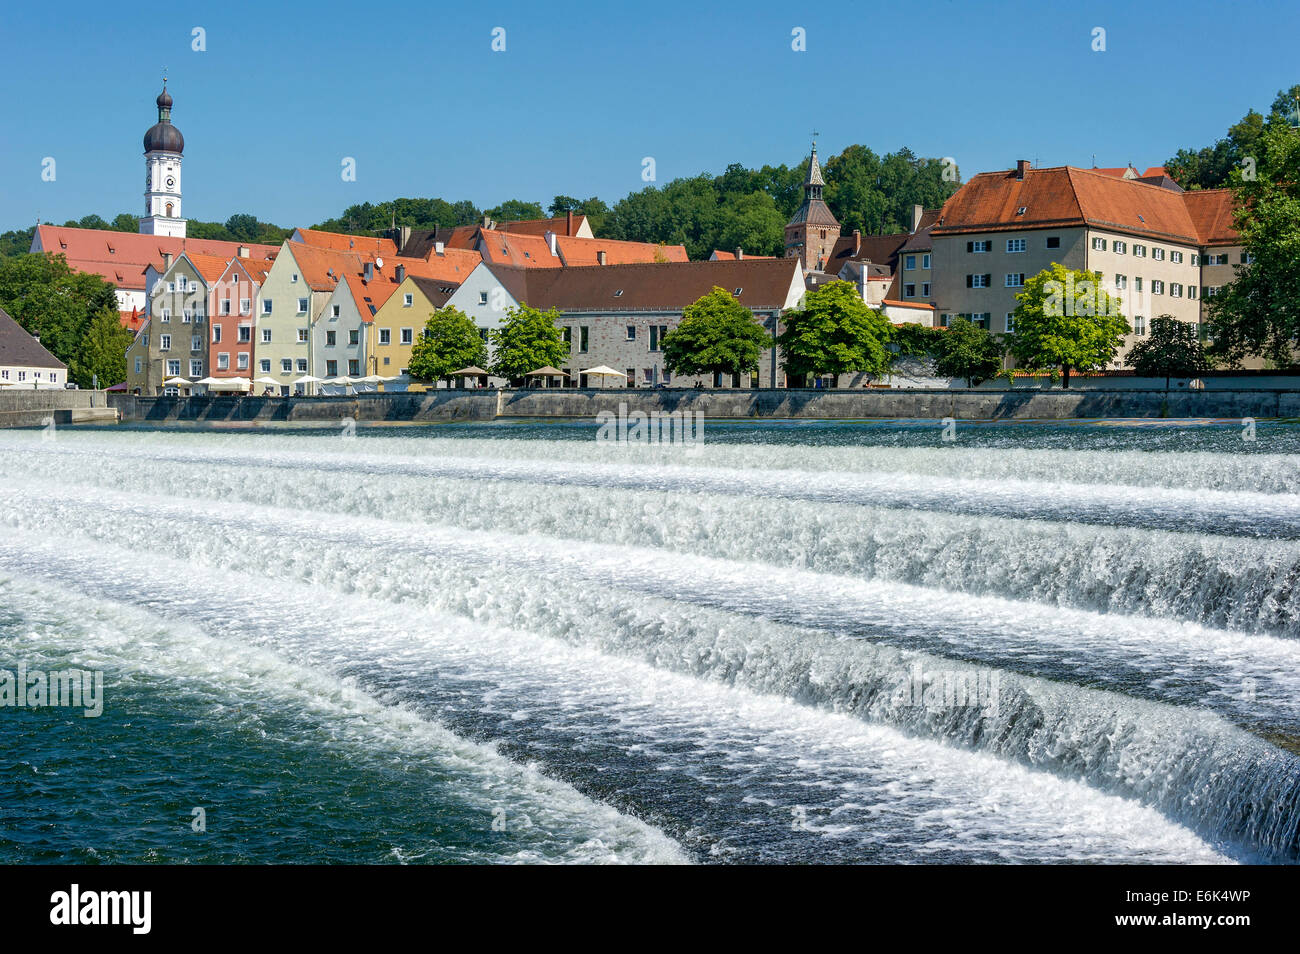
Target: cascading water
{"points": [[839, 642]]}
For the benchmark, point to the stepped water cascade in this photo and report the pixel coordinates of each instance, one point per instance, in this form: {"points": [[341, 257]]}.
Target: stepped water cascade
{"points": [[805, 641]]}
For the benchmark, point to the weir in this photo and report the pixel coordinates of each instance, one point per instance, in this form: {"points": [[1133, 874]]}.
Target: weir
{"points": [[449, 405]]}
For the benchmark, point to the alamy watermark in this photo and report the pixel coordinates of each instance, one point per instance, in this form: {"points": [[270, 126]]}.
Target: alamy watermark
{"points": [[672, 428], [62, 688], [949, 689]]}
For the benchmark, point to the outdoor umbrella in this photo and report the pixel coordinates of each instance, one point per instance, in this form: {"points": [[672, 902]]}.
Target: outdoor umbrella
{"points": [[176, 383], [602, 372], [546, 374], [236, 383], [473, 371]]}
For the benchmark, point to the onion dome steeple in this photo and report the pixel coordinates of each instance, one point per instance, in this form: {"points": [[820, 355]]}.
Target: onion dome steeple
{"points": [[163, 136]]}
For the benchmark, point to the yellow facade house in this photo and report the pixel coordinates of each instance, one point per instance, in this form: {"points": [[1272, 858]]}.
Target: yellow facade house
{"points": [[400, 320]]}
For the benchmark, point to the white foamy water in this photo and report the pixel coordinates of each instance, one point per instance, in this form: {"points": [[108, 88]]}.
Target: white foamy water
{"points": [[711, 646]]}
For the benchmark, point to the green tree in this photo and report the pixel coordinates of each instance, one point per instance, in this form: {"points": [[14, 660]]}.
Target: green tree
{"points": [[528, 339], [835, 333], [1259, 312], [125, 222], [514, 210], [53, 302], [717, 334], [450, 341], [967, 351], [1067, 321], [1212, 166], [101, 353], [1173, 350]]}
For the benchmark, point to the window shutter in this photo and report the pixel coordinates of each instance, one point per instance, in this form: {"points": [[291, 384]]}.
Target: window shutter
{"points": [[970, 281], [988, 281], [970, 247]]}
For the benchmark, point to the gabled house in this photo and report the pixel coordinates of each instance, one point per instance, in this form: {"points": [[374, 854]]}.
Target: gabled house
{"points": [[173, 342], [233, 320], [399, 320], [24, 361]]}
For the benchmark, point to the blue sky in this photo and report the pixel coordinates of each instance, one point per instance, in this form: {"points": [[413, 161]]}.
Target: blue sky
{"points": [[584, 91]]}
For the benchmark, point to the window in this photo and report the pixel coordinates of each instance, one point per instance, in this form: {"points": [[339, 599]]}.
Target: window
{"points": [[294, 278], [909, 262], [225, 306], [196, 342], [165, 342], [909, 291], [1139, 325], [216, 334], [330, 337], [245, 306], [583, 338], [925, 261], [302, 306], [944, 320], [266, 336], [1011, 322], [223, 361], [1191, 292], [302, 335], [631, 332], [1053, 241], [566, 333], [631, 377], [354, 366], [1121, 282], [1137, 284], [1176, 289], [266, 306], [186, 314], [174, 368], [385, 336], [1099, 245], [139, 366], [1210, 291], [1157, 287], [925, 289], [332, 369], [978, 281], [657, 333], [1015, 245], [242, 361], [1221, 259], [334, 311], [264, 365], [1158, 254], [1139, 250], [245, 334], [1247, 258], [354, 337], [408, 300], [1196, 259], [286, 365], [1119, 248], [1015, 280], [982, 246], [196, 368], [1176, 257], [407, 336], [167, 314], [482, 298]]}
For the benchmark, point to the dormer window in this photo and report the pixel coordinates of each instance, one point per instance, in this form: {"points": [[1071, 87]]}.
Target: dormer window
{"points": [[1021, 210], [737, 292], [619, 293]]}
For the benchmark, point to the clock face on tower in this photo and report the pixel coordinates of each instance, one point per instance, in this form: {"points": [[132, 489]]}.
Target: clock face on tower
{"points": [[170, 182]]}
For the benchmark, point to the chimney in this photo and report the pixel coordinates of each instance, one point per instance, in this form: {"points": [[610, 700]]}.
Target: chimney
{"points": [[369, 271], [167, 260], [600, 257], [401, 274], [916, 217], [1022, 165], [437, 248], [550, 241], [740, 253], [568, 222], [862, 280], [857, 242], [242, 251], [403, 237]]}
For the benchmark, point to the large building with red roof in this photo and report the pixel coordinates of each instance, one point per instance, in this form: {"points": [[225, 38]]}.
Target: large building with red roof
{"points": [[1162, 250]]}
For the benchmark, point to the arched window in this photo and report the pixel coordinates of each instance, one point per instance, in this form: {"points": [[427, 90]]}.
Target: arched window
{"points": [[169, 210]]}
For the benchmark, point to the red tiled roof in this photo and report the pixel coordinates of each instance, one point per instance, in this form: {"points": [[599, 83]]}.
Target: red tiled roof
{"points": [[542, 226], [525, 251], [1212, 211], [210, 267], [453, 265], [369, 296], [122, 257], [721, 256], [1066, 196], [585, 251], [893, 303], [132, 320], [339, 242]]}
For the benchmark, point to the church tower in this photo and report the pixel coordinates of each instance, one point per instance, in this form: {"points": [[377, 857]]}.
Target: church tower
{"points": [[163, 145], [811, 234]]}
